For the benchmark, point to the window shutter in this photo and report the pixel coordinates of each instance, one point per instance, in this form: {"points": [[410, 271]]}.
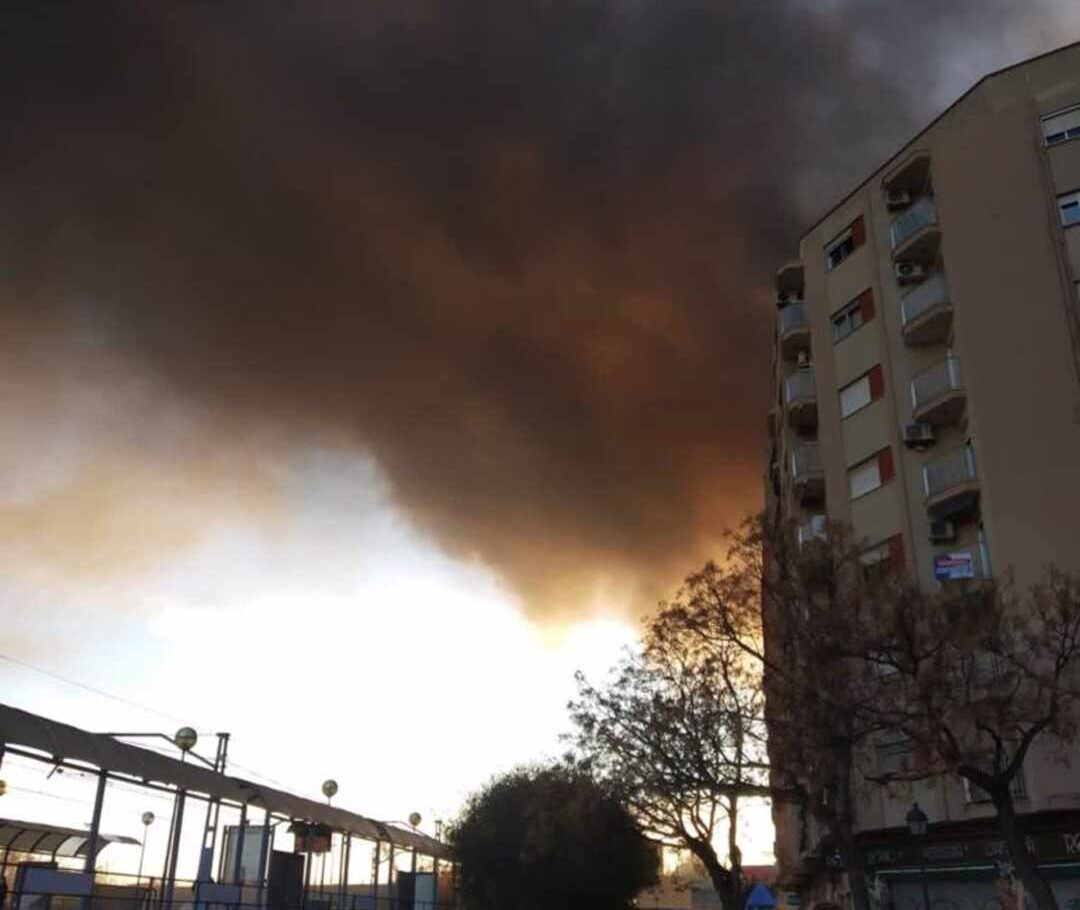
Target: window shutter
{"points": [[896, 552], [877, 382], [886, 468], [866, 304], [858, 232]]}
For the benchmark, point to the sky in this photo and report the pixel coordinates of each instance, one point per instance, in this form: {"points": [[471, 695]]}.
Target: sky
{"points": [[368, 367]]}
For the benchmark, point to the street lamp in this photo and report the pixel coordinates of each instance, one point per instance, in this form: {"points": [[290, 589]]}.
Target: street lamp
{"points": [[917, 822], [147, 820], [185, 739]]}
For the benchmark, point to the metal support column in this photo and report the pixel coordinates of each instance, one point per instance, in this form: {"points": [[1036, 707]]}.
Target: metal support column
{"points": [[95, 824], [238, 845], [375, 875], [390, 878], [168, 887], [95, 831], [264, 855], [213, 812], [347, 855]]}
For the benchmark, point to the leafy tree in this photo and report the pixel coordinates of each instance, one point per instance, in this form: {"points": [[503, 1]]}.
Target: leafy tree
{"points": [[539, 838], [678, 732]]}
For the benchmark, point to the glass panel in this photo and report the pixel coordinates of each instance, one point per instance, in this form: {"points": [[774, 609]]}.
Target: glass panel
{"points": [[864, 477], [855, 396]]}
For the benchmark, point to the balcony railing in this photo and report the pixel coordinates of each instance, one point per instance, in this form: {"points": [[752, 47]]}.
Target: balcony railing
{"points": [[805, 461], [800, 387], [907, 224], [953, 470], [936, 382], [932, 293], [813, 529], [793, 317]]}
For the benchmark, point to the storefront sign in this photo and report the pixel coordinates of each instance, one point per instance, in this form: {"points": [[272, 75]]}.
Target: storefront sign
{"points": [[1048, 846]]}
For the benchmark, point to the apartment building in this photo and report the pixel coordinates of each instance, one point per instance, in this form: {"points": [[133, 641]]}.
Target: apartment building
{"points": [[926, 390]]}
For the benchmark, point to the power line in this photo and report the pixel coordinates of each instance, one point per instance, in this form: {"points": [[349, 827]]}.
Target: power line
{"points": [[132, 704], [101, 692]]}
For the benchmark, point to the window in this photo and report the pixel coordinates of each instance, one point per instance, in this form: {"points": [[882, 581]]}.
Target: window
{"points": [[884, 558], [864, 478], [1069, 206], [858, 394], [1062, 126], [852, 316], [868, 475], [847, 242], [894, 756], [976, 794]]}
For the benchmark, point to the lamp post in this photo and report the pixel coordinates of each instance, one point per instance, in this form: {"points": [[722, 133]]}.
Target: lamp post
{"points": [[147, 820], [917, 822]]}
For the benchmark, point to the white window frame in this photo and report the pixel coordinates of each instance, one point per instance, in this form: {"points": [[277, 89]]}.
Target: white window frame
{"points": [[836, 243], [1069, 202], [870, 468], [846, 410], [844, 319], [1061, 126]]}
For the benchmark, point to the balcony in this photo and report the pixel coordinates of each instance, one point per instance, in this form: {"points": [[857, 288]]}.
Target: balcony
{"points": [[938, 395], [807, 475], [810, 530], [912, 175], [926, 313], [951, 484], [915, 234], [793, 329], [789, 279], [800, 398]]}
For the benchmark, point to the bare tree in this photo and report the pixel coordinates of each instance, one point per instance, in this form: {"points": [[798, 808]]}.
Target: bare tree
{"points": [[803, 610], [978, 676], [678, 730]]}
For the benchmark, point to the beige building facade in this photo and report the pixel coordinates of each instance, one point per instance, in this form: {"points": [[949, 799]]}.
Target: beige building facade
{"points": [[926, 390]]}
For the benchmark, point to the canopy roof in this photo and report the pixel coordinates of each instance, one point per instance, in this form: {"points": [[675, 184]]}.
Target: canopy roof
{"points": [[64, 742], [52, 840]]}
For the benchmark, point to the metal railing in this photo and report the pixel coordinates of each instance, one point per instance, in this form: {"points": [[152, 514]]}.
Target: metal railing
{"points": [[936, 381], [949, 470], [931, 293], [793, 317], [910, 222], [805, 461], [800, 385], [122, 891], [813, 529]]}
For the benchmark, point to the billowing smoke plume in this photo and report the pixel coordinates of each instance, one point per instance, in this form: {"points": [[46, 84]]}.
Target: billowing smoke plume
{"points": [[517, 251]]}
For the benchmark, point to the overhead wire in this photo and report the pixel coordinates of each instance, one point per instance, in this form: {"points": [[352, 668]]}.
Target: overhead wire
{"points": [[139, 706]]}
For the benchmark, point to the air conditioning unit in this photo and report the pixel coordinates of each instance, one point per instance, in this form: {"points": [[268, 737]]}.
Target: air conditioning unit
{"points": [[897, 199], [918, 435], [909, 272], [942, 532], [803, 361]]}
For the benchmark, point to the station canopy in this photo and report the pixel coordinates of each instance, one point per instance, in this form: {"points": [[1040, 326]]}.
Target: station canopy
{"points": [[62, 742], [52, 840]]}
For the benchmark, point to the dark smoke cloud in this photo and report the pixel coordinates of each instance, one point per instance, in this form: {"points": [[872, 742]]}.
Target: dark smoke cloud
{"points": [[519, 252]]}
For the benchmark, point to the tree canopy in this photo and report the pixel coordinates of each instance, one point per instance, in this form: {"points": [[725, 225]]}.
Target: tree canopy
{"points": [[538, 838]]}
